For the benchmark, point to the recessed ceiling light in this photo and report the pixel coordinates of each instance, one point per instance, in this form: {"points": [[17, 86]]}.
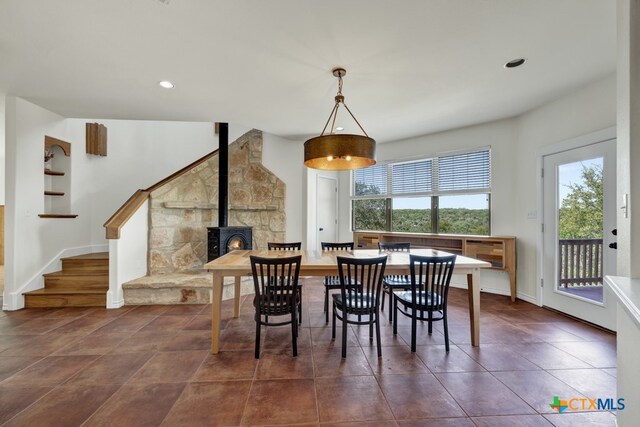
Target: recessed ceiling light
{"points": [[515, 63], [339, 128], [166, 84]]}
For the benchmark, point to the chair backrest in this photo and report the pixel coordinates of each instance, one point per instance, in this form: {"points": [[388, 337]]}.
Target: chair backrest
{"points": [[275, 281], [366, 271], [329, 246], [433, 275], [394, 247], [294, 246]]}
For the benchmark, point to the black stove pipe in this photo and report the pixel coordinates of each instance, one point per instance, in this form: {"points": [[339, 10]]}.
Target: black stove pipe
{"points": [[223, 174]]}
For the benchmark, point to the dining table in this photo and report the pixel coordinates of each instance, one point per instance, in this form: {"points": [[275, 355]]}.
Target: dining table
{"points": [[237, 263]]}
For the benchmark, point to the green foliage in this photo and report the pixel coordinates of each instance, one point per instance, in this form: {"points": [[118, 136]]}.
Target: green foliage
{"points": [[411, 220], [581, 211], [464, 221], [370, 214]]}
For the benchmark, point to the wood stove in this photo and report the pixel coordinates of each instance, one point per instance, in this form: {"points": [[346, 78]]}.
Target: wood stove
{"points": [[221, 240]]}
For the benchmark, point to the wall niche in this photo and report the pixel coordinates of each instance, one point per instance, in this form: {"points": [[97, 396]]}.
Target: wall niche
{"points": [[57, 179]]}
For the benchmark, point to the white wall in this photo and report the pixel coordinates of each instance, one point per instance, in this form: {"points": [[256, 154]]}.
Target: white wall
{"points": [[589, 109], [2, 149], [139, 154], [283, 157]]}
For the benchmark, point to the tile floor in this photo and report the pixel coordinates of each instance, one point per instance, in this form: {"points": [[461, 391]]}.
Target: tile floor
{"points": [[150, 365]]}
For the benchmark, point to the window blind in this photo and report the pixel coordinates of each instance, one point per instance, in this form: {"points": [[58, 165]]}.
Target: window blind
{"points": [[466, 171], [370, 181], [453, 173], [412, 177]]}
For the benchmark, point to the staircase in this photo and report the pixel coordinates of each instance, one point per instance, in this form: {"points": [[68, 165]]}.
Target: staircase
{"points": [[82, 282]]}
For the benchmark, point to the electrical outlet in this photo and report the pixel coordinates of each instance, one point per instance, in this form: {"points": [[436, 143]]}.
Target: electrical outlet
{"points": [[532, 214]]}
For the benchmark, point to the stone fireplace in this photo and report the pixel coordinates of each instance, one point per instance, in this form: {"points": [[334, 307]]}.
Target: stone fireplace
{"points": [[182, 210]]}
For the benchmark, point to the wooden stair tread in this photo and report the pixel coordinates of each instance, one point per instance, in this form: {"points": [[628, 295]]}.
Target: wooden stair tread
{"points": [[53, 193], [53, 173], [95, 255], [45, 291], [73, 273], [57, 215]]}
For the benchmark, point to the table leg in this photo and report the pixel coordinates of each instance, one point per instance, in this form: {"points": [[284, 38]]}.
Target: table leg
{"points": [[216, 304], [473, 282], [236, 296]]}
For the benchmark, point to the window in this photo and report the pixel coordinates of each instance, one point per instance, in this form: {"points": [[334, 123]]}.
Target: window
{"points": [[444, 194]]}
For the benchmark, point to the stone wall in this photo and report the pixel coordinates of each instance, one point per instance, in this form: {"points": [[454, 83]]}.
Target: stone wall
{"points": [[182, 209]]}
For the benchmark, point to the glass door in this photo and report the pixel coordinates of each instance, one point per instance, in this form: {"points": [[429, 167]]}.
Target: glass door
{"points": [[579, 219]]}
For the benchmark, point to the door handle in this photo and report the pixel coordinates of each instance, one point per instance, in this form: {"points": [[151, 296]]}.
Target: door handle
{"points": [[320, 229], [613, 245]]}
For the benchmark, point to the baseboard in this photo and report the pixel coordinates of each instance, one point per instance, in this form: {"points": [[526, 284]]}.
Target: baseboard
{"points": [[15, 299], [111, 303], [499, 291]]}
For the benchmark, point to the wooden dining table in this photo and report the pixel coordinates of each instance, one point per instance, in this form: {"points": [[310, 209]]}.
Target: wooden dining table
{"points": [[237, 263]]}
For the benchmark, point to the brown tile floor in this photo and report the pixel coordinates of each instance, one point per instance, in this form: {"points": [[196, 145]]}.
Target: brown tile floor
{"points": [[150, 365]]}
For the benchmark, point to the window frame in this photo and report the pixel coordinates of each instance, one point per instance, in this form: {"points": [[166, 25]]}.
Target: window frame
{"points": [[435, 194]]}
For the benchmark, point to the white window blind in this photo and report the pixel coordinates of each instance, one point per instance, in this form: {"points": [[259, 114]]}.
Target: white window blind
{"points": [[412, 177], [370, 181], [466, 171]]}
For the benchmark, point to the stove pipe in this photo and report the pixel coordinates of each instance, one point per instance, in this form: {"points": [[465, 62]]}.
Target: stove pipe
{"points": [[223, 174]]}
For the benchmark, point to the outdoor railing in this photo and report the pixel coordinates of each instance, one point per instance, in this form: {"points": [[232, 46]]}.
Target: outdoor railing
{"points": [[580, 262]]}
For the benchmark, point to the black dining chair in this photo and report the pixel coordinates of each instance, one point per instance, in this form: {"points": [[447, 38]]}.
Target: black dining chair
{"points": [[332, 283], [394, 282], [276, 294], [293, 246], [427, 299], [363, 300]]}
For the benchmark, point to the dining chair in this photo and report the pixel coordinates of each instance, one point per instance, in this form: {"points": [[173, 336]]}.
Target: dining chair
{"points": [[363, 300], [394, 281], [430, 279], [293, 246], [276, 294], [333, 282]]}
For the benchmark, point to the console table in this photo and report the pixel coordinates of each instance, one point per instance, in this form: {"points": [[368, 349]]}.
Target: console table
{"points": [[499, 251]]}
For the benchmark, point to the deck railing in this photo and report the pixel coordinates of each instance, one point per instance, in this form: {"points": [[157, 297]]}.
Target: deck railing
{"points": [[580, 262]]}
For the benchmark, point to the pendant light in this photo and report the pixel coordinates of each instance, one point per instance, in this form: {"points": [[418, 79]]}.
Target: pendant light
{"points": [[333, 151]]}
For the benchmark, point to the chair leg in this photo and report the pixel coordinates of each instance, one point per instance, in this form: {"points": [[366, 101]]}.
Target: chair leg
{"points": [[414, 326], [391, 315], [300, 307], [446, 330], [326, 303], [333, 326], [294, 333], [382, 305], [430, 327], [395, 315], [344, 335], [378, 334], [257, 337]]}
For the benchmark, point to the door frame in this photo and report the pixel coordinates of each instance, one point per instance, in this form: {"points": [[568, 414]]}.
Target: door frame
{"points": [[566, 145], [337, 199]]}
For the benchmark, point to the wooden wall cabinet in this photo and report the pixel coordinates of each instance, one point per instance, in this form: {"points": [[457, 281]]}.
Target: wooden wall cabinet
{"points": [[96, 139], [500, 251]]}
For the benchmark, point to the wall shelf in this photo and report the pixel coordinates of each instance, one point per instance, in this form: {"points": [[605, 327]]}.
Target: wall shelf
{"points": [[53, 173], [53, 193], [57, 215]]}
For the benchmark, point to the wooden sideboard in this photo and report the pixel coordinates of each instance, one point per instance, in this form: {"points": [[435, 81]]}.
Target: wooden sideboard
{"points": [[500, 251]]}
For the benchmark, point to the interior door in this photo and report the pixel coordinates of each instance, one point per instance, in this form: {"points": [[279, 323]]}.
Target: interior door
{"points": [[327, 210], [579, 194]]}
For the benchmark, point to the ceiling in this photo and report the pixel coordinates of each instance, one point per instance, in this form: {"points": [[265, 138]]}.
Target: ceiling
{"points": [[413, 66]]}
